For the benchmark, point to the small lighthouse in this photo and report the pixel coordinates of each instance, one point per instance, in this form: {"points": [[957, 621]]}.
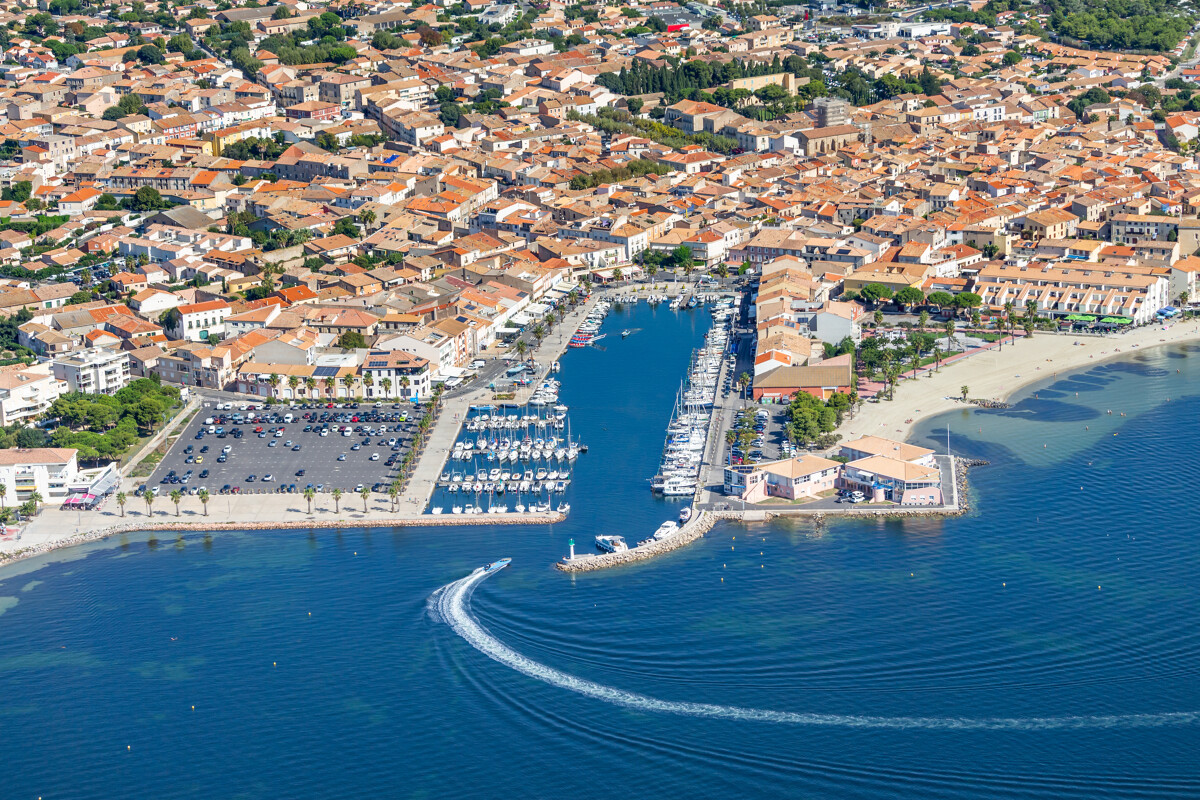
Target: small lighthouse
{"points": [[571, 544]]}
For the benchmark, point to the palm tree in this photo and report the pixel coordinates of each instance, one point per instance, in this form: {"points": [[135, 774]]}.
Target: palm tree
{"points": [[367, 217], [367, 381], [937, 357], [393, 493], [35, 498], [877, 318], [176, 496], [121, 498], [329, 383], [3, 494], [365, 494], [386, 384], [293, 382], [272, 381], [521, 347], [204, 497], [539, 332], [309, 383], [730, 437], [965, 389], [573, 297], [404, 384], [922, 320], [309, 494], [948, 327], [337, 499], [148, 496]]}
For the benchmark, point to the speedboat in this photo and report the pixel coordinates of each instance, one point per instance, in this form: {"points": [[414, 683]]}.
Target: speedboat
{"points": [[685, 514]]}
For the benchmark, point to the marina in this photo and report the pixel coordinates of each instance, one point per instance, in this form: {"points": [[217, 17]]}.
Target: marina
{"points": [[692, 418], [510, 459]]}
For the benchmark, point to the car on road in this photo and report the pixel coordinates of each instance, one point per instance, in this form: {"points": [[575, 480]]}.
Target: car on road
{"points": [[203, 473], [272, 443], [221, 459], [358, 488], [342, 457], [299, 473], [251, 478], [296, 449], [268, 478], [374, 457], [199, 460]]}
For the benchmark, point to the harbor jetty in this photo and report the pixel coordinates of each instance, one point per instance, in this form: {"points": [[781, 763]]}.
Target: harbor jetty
{"points": [[688, 533]]}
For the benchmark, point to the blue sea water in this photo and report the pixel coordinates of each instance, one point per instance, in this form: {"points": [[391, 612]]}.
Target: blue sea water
{"points": [[1044, 645]]}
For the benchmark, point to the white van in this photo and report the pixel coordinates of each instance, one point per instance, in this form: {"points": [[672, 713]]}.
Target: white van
{"points": [[287, 418]]}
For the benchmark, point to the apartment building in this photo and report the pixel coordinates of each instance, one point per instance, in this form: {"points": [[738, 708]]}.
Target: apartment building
{"points": [[94, 371]]}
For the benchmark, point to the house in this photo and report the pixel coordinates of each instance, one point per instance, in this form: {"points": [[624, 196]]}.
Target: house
{"points": [[196, 322]]}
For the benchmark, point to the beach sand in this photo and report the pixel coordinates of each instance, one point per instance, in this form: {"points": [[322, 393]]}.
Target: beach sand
{"points": [[998, 374]]}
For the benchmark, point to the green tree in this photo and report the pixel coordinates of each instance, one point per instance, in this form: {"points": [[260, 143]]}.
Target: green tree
{"points": [[204, 497], [337, 500], [351, 340], [309, 494], [176, 496], [121, 500], [365, 494], [875, 292], [909, 296]]}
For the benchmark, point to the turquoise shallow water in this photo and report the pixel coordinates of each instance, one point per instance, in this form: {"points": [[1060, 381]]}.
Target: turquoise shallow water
{"points": [[1064, 605]]}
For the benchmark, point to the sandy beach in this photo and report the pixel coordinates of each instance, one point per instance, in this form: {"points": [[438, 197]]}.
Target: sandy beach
{"points": [[997, 374]]}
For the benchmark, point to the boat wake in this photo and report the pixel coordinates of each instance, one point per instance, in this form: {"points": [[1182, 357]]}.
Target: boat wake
{"points": [[451, 604]]}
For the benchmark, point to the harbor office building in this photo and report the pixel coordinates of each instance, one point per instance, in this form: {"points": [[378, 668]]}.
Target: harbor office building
{"points": [[787, 479], [885, 471]]}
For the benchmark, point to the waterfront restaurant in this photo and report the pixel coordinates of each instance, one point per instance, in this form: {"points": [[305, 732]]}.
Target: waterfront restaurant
{"points": [[788, 479]]}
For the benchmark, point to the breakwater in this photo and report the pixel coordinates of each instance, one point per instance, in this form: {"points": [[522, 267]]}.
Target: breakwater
{"points": [[687, 534]]}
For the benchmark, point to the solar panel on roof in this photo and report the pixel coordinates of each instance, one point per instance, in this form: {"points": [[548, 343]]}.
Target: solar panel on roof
{"points": [[325, 372], [377, 364]]}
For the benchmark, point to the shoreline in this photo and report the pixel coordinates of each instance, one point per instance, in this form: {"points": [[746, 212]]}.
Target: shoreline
{"points": [[138, 526], [991, 375], [1001, 375]]}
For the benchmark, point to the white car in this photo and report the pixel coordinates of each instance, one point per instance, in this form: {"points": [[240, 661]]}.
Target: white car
{"points": [[478, 363], [268, 477]]}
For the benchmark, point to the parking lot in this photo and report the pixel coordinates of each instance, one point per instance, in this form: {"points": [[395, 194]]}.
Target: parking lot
{"points": [[269, 453]]}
